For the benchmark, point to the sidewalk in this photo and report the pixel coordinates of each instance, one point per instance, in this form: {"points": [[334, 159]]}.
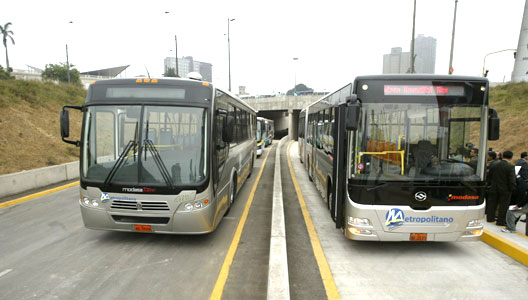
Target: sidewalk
{"points": [[514, 245]]}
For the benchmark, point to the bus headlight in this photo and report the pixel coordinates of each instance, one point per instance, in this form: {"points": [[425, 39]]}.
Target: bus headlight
{"points": [[358, 221], [474, 223], [86, 201], [195, 205]]}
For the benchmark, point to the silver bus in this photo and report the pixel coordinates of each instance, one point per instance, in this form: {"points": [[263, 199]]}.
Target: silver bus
{"points": [[260, 135], [161, 155], [390, 155]]}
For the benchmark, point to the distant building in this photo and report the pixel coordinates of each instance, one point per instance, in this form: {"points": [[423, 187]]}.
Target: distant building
{"points": [[425, 51], [398, 62], [187, 64]]}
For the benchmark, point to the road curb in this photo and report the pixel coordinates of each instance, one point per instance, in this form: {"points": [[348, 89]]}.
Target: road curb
{"points": [[39, 194], [278, 280], [513, 250]]}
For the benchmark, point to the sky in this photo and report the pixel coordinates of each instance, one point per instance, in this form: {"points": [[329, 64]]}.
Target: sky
{"points": [[334, 41]]}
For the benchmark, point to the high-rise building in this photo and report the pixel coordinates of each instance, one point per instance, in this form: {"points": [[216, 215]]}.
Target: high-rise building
{"points": [[187, 64], [398, 62], [425, 51]]}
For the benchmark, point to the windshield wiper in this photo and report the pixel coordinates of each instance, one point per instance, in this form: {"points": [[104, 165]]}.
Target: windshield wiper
{"points": [[120, 161], [159, 162]]}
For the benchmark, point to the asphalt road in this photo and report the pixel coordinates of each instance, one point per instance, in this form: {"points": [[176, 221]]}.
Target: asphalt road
{"points": [[374, 270], [46, 253]]}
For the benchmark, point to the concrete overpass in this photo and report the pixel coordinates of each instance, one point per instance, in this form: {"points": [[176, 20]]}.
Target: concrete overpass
{"points": [[284, 110]]}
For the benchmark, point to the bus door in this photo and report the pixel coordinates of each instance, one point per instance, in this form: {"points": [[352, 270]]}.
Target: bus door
{"points": [[339, 167]]}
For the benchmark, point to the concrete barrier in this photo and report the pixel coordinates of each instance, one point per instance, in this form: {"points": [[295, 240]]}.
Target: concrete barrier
{"points": [[11, 184]]}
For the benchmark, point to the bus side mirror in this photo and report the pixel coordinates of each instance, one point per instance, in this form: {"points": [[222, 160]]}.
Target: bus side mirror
{"points": [[227, 131], [493, 125], [65, 125], [353, 109]]}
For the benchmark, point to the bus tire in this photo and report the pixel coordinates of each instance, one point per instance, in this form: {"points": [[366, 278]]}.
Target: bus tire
{"points": [[251, 166], [232, 194]]}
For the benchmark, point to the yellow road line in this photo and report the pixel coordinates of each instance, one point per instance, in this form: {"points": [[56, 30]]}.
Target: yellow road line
{"points": [[516, 252], [33, 196], [224, 272], [324, 268]]}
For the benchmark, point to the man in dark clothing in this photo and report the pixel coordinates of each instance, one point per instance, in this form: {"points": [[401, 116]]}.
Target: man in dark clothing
{"points": [[522, 180], [502, 176], [523, 172]]}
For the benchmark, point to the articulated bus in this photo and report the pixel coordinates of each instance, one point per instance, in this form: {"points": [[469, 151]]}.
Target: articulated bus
{"points": [[390, 156], [161, 155], [260, 136]]}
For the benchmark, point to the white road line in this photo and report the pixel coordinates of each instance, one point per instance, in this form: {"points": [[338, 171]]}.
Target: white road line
{"points": [[278, 282], [5, 272]]}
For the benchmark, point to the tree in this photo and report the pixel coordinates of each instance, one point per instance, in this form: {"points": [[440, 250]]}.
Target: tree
{"points": [[7, 34], [299, 88], [60, 72], [170, 73], [4, 74]]}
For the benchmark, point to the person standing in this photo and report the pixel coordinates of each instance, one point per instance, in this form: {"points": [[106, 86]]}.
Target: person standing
{"points": [[502, 177], [522, 180], [474, 158]]}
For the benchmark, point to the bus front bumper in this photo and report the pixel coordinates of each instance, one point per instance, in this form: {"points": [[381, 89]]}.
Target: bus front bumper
{"points": [[194, 222], [438, 224]]}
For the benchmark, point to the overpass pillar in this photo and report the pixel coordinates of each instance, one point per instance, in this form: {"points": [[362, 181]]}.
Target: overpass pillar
{"points": [[293, 133]]}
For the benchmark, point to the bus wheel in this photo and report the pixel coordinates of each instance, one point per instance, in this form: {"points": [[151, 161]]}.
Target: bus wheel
{"points": [[232, 194], [250, 167]]}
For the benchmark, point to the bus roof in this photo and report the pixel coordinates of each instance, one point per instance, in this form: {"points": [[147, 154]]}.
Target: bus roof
{"points": [[421, 77]]}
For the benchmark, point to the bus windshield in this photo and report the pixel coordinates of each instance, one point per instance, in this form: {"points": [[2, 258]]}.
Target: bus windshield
{"points": [[145, 145], [418, 141]]}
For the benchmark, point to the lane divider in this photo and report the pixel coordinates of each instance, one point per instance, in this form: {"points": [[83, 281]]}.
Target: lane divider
{"points": [[322, 263], [39, 194], [278, 279], [228, 261]]}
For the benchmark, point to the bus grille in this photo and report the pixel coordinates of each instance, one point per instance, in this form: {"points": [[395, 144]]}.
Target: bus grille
{"points": [[134, 205]]}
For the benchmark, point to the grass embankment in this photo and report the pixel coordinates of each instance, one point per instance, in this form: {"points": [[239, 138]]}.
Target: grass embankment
{"points": [[29, 124], [511, 102], [30, 134]]}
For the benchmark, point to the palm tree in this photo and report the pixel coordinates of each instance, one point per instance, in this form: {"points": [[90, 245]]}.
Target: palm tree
{"points": [[7, 34]]}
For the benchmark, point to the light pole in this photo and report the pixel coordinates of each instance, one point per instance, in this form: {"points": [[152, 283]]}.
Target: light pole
{"points": [[484, 64], [452, 41], [229, 51], [412, 40], [67, 59], [175, 53], [295, 76]]}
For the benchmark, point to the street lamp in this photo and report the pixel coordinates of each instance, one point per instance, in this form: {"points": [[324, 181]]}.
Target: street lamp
{"points": [[412, 40], [484, 64], [175, 53], [229, 51], [295, 76], [67, 59], [452, 41]]}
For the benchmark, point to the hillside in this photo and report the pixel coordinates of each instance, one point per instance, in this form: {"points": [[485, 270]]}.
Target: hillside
{"points": [[29, 124], [30, 134]]}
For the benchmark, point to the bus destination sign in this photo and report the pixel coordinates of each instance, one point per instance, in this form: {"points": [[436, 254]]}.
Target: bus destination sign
{"points": [[423, 90]]}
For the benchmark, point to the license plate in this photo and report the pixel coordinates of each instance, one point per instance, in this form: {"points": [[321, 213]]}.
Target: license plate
{"points": [[418, 237], [143, 228]]}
